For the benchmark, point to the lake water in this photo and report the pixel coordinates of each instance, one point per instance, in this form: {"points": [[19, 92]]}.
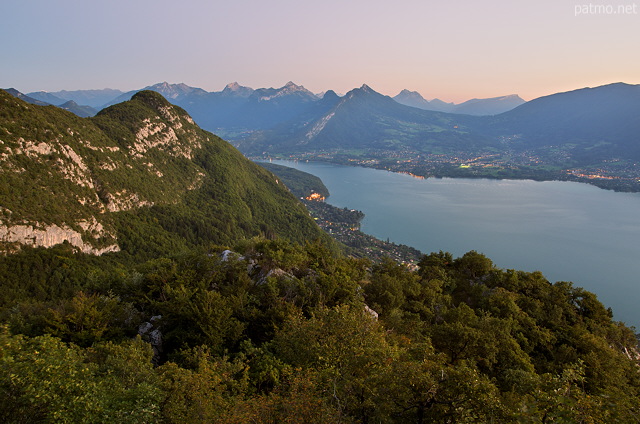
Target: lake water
{"points": [[569, 231]]}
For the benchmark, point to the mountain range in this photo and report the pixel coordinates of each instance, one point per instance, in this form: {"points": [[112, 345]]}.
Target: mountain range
{"points": [[583, 127], [587, 125], [138, 177], [238, 109], [43, 98], [364, 119], [97, 99], [25, 98], [478, 107]]}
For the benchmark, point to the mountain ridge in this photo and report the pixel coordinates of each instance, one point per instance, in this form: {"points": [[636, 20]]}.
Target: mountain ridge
{"points": [[93, 98], [140, 167], [591, 128], [362, 119], [601, 119], [477, 107], [292, 117]]}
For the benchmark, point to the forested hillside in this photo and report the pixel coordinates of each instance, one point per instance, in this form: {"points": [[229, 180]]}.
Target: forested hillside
{"points": [[223, 302], [140, 177], [276, 332]]}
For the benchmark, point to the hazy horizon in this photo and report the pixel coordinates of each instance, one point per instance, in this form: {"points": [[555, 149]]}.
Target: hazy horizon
{"points": [[454, 51]]}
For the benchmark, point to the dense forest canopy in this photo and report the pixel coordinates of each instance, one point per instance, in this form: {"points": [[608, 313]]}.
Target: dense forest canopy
{"points": [[272, 331]]}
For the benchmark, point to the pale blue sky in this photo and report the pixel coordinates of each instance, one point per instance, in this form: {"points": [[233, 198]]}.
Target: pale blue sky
{"points": [[454, 50]]}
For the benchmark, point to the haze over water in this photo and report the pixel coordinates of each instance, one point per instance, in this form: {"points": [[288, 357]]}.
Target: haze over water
{"points": [[569, 231]]}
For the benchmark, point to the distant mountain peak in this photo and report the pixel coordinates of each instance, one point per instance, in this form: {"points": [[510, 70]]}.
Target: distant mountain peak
{"points": [[329, 94], [80, 110], [292, 87], [26, 98], [288, 89], [235, 89], [13, 92], [498, 98], [365, 87], [232, 86], [165, 86], [411, 98], [45, 96], [363, 91], [490, 106], [441, 102], [172, 91]]}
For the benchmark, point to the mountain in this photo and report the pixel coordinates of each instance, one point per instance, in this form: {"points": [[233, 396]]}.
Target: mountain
{"points": [[413, 99], [365, 119], [479, 107], [591, 124], [289, 89], [239, 110], [24, 97], [438, 105], [93, 98], [70, 105], [236, 90], [175, 93], [139, 177], [584, 127], [236, 109], [47, 97], [245, 109], [267, 107], [492, 106], [81, 111]]}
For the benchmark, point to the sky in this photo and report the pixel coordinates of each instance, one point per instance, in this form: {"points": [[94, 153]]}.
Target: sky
{"points": [[453, 50]]}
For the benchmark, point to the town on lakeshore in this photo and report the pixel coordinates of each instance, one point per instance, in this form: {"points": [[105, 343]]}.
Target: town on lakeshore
{"points": [[614, 174]]}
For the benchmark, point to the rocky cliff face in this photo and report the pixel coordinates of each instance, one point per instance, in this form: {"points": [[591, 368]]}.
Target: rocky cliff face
{"points": [[48, 236]]}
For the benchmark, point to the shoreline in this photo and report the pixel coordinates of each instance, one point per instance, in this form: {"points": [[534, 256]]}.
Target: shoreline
{"points": [[428, 170]]}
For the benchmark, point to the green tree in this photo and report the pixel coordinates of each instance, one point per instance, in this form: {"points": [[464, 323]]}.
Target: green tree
{"points": [[348, 349]]}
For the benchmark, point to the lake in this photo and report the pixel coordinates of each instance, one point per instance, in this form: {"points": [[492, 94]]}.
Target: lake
{"points": [[569, 231]]}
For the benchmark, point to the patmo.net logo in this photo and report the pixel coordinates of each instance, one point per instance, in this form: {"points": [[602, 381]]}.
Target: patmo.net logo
{"points": [[605, 9]]}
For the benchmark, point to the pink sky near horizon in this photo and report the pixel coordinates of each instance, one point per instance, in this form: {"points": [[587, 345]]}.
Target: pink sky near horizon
{"points": [[453, 50]]}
